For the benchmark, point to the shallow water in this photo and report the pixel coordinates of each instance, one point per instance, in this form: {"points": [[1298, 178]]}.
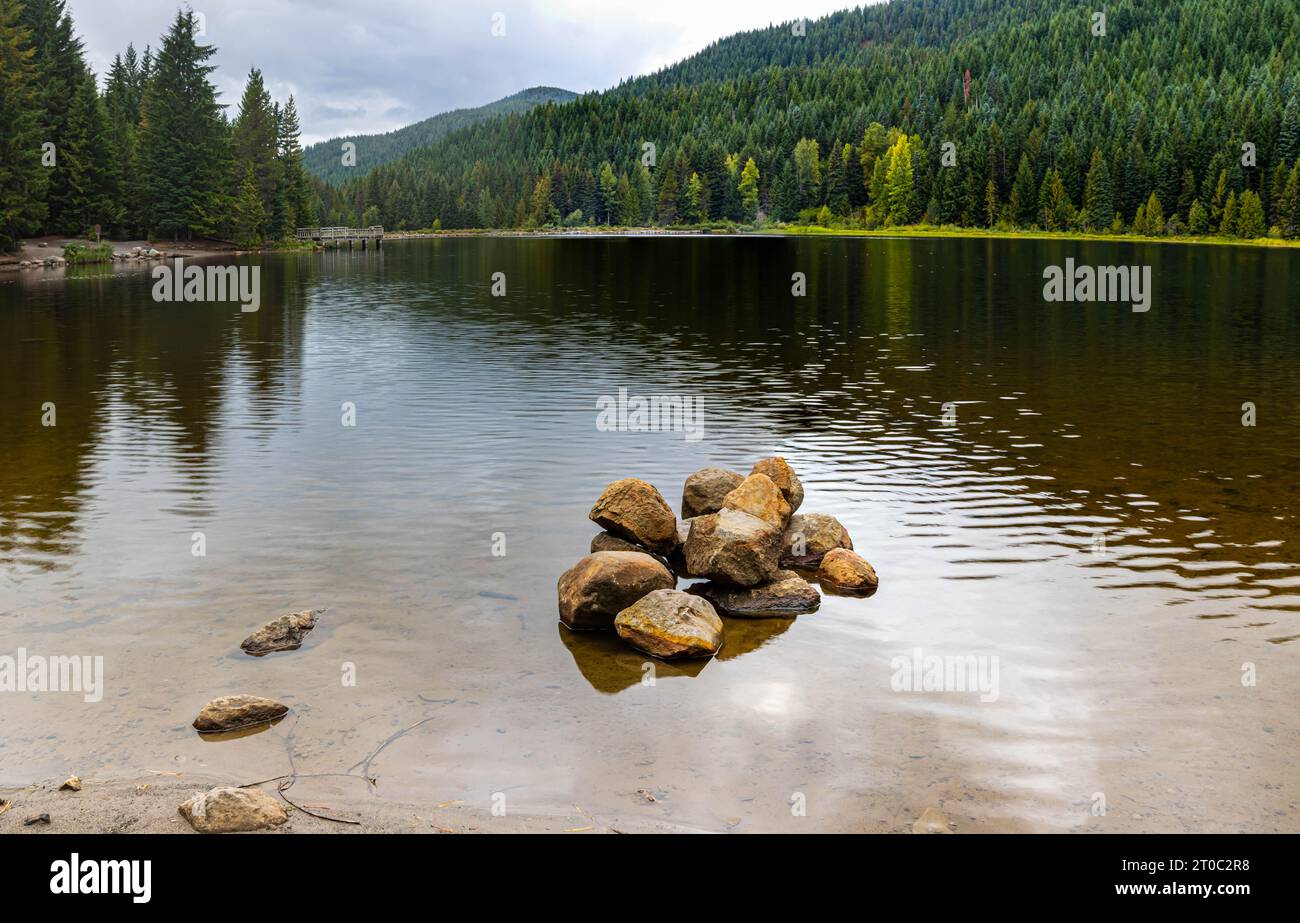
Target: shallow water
{"points": [[1120, 669]]}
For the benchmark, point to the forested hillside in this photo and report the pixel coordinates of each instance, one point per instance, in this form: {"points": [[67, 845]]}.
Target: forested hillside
{"points": [[324, 160], [154, 153], [1171, 116]]}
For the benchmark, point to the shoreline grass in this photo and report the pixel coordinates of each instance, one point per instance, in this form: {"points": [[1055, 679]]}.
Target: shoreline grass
{"points": [[902, 231]]}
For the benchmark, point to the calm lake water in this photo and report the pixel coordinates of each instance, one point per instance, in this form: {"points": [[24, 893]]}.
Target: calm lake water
{"points": [[1120, 668]]}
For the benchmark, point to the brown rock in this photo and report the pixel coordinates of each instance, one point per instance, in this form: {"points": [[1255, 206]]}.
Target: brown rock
{"points": [[782, 476], [73, 784], [232, 712], [733, 548], [758, 496], [706, 489], [669, 624], [232, 810], [785, 595], [603, 584], [283, 634], [847, 571], [809, 536], [633, 509]]}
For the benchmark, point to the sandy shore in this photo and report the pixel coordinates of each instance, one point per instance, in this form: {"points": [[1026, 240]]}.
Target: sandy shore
{"points": [[149, 805], [38, 249]]}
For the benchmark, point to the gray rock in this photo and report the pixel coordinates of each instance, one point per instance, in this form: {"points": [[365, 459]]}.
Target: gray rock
{"points": [[809, 536], [706, 489], [283, 634], [786, 594]]}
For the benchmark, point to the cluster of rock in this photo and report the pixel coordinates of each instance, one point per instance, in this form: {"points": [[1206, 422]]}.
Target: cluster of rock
{"points": [[134, 254], [740, 533], [139, 253]]}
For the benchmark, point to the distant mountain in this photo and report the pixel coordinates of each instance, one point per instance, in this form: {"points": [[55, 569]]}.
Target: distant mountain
{"points": [[325, 159]]}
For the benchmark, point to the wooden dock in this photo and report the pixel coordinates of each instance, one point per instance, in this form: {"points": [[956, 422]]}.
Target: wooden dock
{"points": [[339, 235]]}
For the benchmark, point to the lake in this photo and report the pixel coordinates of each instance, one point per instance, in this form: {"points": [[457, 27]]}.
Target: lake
{"points": [[1064, 492]]}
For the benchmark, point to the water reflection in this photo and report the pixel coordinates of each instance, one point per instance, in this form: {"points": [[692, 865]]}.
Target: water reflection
{"points": [[1096, 489]]}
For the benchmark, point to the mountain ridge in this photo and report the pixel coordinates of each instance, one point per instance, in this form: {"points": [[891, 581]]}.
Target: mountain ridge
{"points": [[324, 158]]}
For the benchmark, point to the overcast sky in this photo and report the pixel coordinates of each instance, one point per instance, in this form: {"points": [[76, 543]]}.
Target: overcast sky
{"points": [[361, 66]]}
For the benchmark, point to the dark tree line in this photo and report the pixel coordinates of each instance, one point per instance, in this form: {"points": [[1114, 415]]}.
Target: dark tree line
{"points": [[1182, 117], [152, 155]]}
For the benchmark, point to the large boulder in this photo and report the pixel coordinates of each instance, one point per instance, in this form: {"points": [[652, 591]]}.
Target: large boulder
{"points": [[847, 571], [733, 548], [706, 489], [809, 536], [603, 584], [785, 595], [283, 634], [635, 510], [670, 624], [758, 496], [782, 476], [233, 810], [233, 712]]}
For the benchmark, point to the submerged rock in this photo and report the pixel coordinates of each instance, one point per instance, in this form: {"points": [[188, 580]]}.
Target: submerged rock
{"points": [[605, 583], [634, 509], [758, 496], [669, 624], [786, 594], [706, 489], [847, 571], [232, 810], [809, 536], [733, 548], [283, 634], [232, 712], [783, 477], [932, 820]]}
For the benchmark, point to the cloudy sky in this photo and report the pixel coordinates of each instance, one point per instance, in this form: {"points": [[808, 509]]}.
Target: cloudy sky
{"points": [[359, 67]]}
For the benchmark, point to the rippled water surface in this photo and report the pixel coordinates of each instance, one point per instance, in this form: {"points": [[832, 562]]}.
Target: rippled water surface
{"points": [[1098, 519]]}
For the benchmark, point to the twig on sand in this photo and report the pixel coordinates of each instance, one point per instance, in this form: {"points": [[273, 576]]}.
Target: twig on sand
{"points": [[288, 783], [286, 780]]}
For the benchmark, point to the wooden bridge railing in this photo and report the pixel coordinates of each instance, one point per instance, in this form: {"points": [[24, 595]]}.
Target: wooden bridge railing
{"points": [[374, 232]]}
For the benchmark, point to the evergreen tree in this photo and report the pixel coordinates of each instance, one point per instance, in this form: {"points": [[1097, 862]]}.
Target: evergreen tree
{"points": [[748, 189], [1228, 223], [1250, 216], [697, 199], [900, 185], [808, 173], [86, 163], [60, 72], [1155, 216], [1024, 197], [183, 138], [667, 207], [1198, 221], [256, 139], [22, 178], [1098, 204], [248, 216], [610, 199]]}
